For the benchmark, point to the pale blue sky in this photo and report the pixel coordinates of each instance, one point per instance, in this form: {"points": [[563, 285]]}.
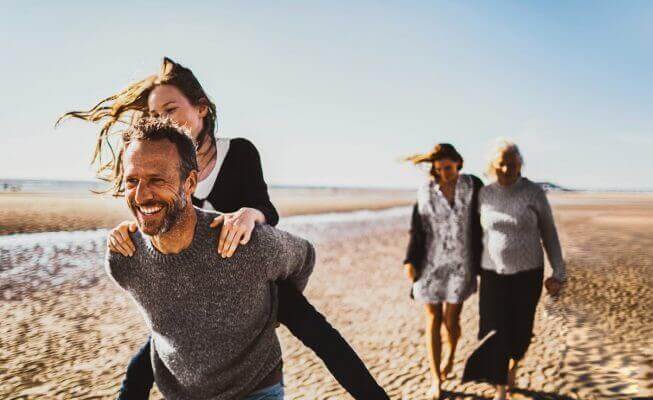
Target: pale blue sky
{"points": [[333, 93]]}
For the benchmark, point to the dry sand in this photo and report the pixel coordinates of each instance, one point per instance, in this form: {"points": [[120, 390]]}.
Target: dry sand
{"points": [[594, 341]]}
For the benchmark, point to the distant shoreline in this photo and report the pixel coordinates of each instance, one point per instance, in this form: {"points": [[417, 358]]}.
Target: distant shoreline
{"points": [[56, 186]]}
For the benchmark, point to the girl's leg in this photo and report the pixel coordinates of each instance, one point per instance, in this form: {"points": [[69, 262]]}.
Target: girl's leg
{"points": [[312, 329], [452, 323], [139, 378], [434, 343]]}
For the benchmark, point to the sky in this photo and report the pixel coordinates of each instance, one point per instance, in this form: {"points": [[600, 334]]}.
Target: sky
{"points": [[337, 92]]}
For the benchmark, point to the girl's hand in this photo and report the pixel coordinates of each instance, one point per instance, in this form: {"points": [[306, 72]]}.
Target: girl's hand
{"points": [[552, 286], [410, 271], [237, 229], [119, 240]]}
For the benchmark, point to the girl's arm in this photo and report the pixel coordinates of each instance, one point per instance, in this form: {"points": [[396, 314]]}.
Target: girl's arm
{"points": [[416, 252]]}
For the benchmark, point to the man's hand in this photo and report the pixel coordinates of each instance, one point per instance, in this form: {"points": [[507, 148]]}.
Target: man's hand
{"points": [[410, 272], [552, 286], [237, 229], [119, 240]]}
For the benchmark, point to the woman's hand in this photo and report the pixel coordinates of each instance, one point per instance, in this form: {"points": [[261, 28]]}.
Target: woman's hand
{"points": [[552, 286], [119, 240], [410, 272], [237, 229]]}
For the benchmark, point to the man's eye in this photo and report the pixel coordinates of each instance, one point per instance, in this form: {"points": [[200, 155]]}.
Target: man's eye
{"points": [[171, 110]]}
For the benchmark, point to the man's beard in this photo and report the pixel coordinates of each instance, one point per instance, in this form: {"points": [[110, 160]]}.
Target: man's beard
{"points": [[173, 213]]}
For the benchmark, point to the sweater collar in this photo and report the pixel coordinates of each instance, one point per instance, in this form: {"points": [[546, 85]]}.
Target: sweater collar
{"points": [[202, 231]]}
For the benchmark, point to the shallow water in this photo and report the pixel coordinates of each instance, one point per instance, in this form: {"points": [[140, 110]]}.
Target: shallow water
{"points": [[37, 261]]}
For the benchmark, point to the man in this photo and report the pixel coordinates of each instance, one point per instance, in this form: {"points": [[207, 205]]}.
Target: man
{"points": [[212, 319]]}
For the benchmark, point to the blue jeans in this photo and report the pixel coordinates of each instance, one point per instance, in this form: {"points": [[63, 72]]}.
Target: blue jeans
{"points": [[274, 392]]}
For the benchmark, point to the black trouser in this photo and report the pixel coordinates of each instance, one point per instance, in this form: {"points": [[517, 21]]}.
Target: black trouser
{"points": [[507, 306], [308, 325]]}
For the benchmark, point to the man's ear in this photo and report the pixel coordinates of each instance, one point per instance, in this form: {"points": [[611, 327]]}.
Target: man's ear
{"points": [[191, 183], [203, 108]]}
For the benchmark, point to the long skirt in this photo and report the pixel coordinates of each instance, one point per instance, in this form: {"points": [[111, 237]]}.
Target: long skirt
{"points": [[507, 306]]}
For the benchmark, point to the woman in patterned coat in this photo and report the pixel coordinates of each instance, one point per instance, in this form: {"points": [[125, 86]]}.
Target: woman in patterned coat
{"points": [[443, 255]]}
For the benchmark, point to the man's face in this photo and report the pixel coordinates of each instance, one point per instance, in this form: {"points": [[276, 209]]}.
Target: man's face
{"points": [[153, 189]]}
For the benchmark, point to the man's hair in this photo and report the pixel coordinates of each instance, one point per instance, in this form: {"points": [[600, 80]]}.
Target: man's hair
{"points": [[154, 129]]}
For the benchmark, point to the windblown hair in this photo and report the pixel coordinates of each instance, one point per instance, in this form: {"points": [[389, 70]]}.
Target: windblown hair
{"points": [[502, 146], [441, 151], [125, 108]]}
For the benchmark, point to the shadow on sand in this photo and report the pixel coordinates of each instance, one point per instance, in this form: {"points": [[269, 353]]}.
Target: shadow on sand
{"points": [[529, 394]]}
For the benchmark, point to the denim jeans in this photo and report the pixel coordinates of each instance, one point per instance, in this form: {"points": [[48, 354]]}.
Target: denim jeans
{"points": [[274, 392]]}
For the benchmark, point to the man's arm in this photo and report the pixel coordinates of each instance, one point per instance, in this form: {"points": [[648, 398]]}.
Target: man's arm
{"points": [[289, 257], [114, 266]]}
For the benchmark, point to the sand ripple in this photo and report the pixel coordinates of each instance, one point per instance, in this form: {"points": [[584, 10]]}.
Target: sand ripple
{"points": [[63, 340]]}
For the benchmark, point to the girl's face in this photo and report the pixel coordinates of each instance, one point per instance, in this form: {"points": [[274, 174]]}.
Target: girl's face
{"points": [[168, 101], [508, 168], [447, 170]]}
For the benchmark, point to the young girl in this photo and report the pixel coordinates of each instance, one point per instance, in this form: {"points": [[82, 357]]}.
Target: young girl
{"points": [[231, 181], [444, 250]]}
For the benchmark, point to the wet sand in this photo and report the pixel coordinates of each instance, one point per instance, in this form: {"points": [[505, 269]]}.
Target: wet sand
{"points": [[594, 341], [50, 212]]}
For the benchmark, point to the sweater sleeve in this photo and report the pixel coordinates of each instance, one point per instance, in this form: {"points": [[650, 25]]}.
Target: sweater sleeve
{"points": [[256, 190], [549, 235], [290, 258], [114, 267], [416, 252]]}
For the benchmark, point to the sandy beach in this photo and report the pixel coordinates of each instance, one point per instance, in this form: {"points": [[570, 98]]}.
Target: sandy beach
{"points": [[68, 332], [22, 212]]}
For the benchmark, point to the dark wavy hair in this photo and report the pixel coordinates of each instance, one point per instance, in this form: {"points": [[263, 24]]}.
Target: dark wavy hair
{"points": [[441, 151]]}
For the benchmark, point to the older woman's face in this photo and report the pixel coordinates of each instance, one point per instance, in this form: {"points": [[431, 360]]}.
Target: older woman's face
{"points": [[508, 168], [168, 101]]}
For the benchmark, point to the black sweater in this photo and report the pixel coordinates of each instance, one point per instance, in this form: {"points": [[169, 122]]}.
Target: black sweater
{"points": [[240, 183]]}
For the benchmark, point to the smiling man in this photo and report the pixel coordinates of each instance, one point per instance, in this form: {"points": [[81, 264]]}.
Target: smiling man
{"points": [[212, 319]]}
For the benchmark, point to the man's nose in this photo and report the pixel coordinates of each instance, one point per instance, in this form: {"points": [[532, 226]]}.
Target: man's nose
{"points": [[143, 193]]}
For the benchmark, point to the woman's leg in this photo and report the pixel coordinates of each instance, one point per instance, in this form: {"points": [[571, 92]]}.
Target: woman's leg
{"points": [[139, 378], [434, 342], [452, 323], [489, 361], [525, 294], [312, 329]]}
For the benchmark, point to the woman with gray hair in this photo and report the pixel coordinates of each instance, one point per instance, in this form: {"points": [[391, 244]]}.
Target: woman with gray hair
{"points": [[516, 220]]}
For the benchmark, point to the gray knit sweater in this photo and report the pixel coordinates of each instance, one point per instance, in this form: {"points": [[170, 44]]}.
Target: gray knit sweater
{"points": [[517, 221], [212, 318]]}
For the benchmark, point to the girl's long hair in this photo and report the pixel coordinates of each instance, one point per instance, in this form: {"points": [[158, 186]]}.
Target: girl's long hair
{"points": [[441, 151], [123, 109]]}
